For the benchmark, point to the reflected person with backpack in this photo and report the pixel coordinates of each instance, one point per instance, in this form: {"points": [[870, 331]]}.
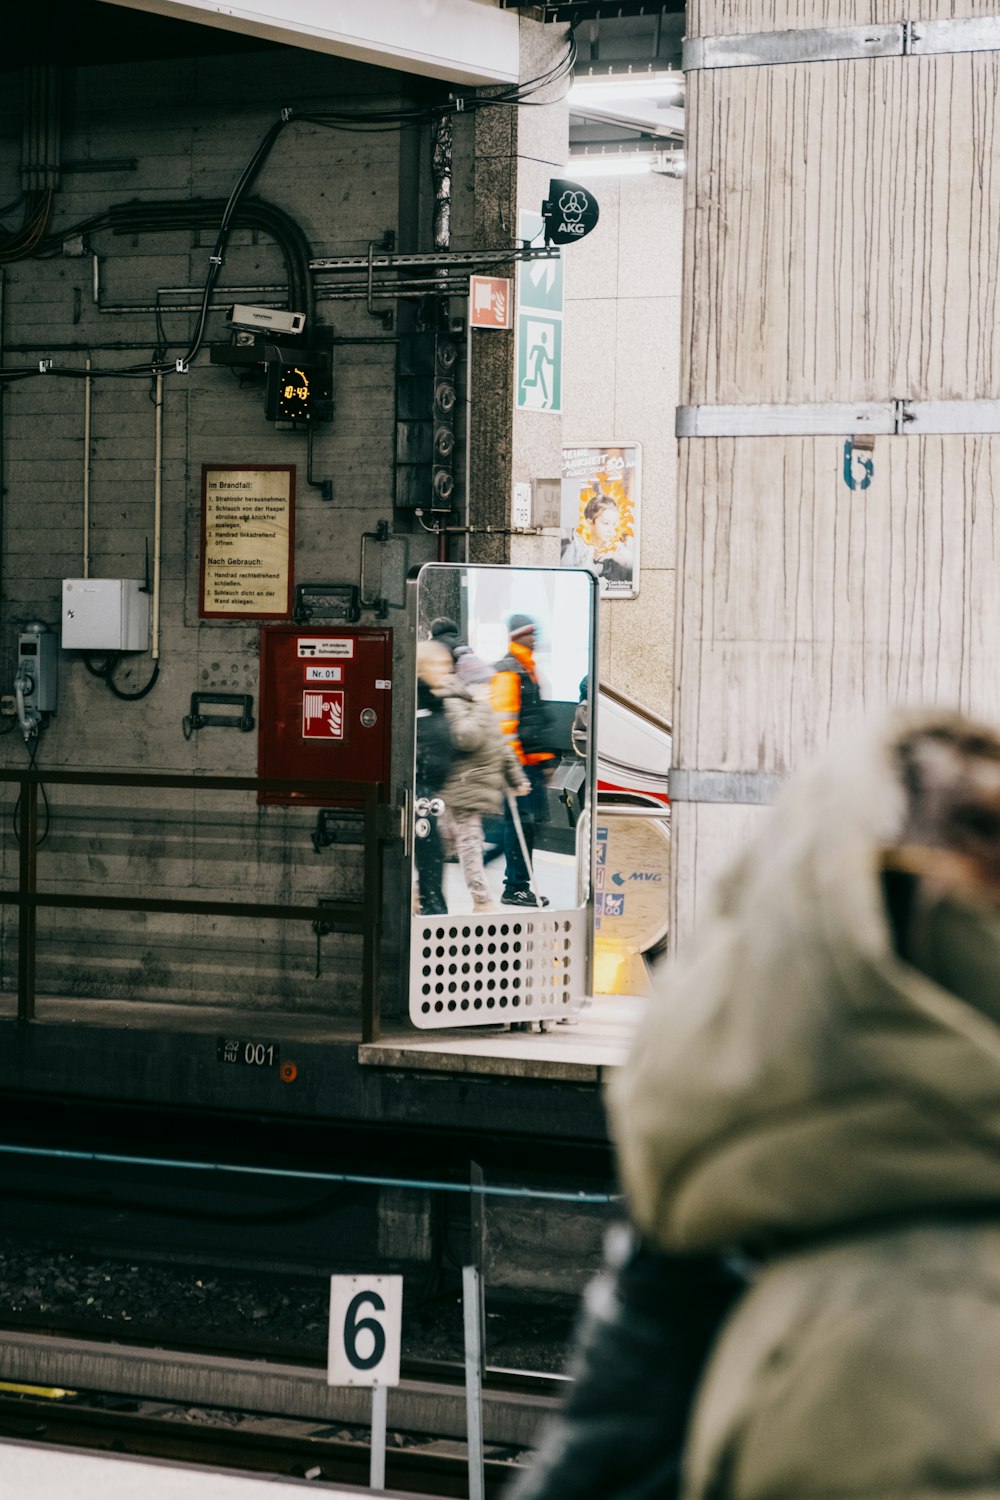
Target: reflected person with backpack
{"points": [[516, 696]]}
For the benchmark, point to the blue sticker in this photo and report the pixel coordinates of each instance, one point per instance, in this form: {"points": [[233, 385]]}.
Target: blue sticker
{"points": [[602, 854], [860, 478], [614, 905]]}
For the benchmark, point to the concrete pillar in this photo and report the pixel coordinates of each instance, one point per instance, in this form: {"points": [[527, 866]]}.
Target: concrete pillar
{"points": [[516, 151], [841, 247]]}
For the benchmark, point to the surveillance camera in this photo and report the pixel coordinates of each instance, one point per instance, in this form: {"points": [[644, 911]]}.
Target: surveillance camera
{"points": [[266, 319]]}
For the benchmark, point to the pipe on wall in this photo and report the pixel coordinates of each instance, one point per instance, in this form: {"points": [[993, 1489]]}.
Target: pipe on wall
{"points": [[87, 397], [441, 166], [157, 510]]}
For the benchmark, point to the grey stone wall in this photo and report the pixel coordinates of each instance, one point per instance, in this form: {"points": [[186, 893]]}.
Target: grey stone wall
{"points": [[183, 129], [188, 126]]}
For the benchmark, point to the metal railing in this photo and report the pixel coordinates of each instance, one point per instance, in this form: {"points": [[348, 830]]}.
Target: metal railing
{"points": [[627, 810], [641, 712], [363, 916]]}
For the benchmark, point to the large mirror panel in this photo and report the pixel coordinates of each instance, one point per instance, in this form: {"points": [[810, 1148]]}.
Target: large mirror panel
{"points": [[505, 672]]}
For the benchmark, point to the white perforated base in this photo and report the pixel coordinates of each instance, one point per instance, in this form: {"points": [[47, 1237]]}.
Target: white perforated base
{"points": [[500, 966]]}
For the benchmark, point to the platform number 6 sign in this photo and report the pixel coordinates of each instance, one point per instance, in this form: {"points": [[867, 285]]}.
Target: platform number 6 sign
{"points": [[365, 1318]]}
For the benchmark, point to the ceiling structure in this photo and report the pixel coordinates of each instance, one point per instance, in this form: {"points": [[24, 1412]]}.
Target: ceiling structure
{"points": [[627, 98], [466, 42]]}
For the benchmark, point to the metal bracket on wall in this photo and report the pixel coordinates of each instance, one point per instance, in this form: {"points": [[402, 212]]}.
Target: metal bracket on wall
{"points": [[901, 418], [338, 825], [841, 44], [336, 603], [442, 273], [322, 929], [386, 245], [747, 788], [776, 420], [244, 720], [379, 602]]}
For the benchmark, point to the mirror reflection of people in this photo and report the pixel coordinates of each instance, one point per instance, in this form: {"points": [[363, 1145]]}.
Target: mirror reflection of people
{"points": [[608, 555], [476, 675], [579, 737], [484, 768], [467, 666], [517, 699], [580, 731], [434, 759]]}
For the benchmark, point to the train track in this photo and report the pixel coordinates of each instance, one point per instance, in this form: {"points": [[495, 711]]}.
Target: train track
{"points": [[243, 1441], [272, 1417]]}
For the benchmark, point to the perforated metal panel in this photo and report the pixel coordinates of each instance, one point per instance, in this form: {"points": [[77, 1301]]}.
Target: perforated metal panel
{"points": [[499, 967]]}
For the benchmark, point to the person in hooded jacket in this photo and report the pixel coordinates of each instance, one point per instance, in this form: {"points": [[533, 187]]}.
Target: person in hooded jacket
{"points": [[483, 769], [435, 755], [467, 666], [818, 1080]]}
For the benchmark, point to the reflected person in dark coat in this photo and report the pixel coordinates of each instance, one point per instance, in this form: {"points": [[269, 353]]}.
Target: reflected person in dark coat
{"points": [[435, 756]]}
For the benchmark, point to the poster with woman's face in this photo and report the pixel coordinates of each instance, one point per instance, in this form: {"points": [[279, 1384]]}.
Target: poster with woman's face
{"points": [[600, 515]]}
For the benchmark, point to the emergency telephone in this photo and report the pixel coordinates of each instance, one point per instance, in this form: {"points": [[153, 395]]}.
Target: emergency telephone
{"points": [[36, 679]]}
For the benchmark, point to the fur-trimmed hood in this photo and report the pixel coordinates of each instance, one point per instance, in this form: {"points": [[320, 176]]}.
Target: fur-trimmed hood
{"points": [[794, 1073]]}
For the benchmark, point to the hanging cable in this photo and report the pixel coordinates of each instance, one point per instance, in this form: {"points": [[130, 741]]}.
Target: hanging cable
{"points": [[45, 801], [38, 213], [107, 673]]}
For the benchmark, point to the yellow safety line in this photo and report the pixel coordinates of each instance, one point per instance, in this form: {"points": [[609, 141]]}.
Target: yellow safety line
{"points": [[50, 1392]]}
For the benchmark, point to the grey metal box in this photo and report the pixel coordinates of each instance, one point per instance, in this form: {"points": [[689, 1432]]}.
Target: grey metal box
{"points": [[104, 614]]}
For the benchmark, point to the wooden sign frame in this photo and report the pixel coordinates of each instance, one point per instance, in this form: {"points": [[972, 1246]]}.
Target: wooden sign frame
{"points": [[255, 533]]}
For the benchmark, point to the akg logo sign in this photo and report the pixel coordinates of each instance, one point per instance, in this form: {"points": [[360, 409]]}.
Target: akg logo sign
{"points": [[573, 205], [569, 212]]}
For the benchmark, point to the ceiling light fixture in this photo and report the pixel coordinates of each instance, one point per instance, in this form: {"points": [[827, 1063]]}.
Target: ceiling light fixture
{"points": [[625, 164], [603, 88]]}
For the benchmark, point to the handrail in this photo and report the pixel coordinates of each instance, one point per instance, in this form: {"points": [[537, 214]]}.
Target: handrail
{"points": [[621, 810], [640, 712], [364, 915]]}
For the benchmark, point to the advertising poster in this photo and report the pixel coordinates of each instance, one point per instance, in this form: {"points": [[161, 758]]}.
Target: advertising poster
{"points": [[600, 515]]}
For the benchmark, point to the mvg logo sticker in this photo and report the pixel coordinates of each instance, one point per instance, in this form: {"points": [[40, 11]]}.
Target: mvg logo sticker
{"points": [[323, 715]]}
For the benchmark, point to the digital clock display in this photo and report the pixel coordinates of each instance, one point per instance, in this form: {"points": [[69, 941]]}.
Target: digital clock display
{"points": [[294, 390], [298, 392]]}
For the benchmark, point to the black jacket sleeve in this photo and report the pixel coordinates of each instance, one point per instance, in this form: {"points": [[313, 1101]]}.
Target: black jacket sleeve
{"points": [[649, 1321]]}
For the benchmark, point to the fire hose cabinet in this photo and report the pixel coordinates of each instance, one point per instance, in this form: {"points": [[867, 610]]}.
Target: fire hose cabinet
{"points": [[325, 707]]}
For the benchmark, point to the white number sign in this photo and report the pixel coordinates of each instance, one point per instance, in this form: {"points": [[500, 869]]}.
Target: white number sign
{"points": [[365, 1319]]}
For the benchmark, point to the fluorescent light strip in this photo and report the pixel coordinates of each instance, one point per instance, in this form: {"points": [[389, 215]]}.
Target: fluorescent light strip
{"points": [[610, 166], [592, 91], [625, 164]]}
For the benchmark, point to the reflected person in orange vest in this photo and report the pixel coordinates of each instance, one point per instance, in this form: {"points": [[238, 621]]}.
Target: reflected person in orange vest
{"points": [[524, 719]]}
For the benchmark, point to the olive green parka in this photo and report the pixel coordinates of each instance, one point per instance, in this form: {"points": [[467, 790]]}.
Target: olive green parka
{"points": [[800, 1090], [485, 767]]}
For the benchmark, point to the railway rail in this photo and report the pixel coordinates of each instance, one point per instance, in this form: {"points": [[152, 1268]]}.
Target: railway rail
{"points": [[430, 1398], [261, 1416], [250, 1443]]}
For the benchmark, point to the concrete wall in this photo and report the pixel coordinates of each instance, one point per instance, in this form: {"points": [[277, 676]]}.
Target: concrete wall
{"points": [[623, 291], [183, 129], [189, 126]]}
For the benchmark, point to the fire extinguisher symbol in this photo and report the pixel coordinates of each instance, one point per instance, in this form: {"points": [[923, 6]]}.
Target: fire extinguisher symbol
{"points": [[323, 715]]}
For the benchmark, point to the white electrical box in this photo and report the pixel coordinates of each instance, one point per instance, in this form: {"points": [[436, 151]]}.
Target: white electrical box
{"points": [[105, 614]]}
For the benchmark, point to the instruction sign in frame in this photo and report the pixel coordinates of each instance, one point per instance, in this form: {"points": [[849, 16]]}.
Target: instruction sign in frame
{"points": [[247, 541]]}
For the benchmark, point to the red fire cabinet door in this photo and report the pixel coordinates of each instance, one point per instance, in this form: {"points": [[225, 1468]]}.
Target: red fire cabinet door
{"points": [[325, 707]]}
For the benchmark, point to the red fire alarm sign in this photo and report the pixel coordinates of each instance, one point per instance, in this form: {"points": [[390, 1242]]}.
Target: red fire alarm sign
{"points": [[490, 302], [323, 715]]}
